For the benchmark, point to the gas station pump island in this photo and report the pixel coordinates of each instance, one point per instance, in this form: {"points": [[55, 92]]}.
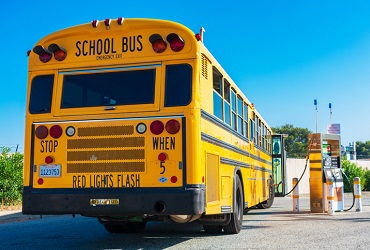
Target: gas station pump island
{"points": [[325, 161]]}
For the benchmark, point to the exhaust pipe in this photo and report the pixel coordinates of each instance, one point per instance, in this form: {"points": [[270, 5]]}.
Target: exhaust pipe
{"points": [[159, 207]]}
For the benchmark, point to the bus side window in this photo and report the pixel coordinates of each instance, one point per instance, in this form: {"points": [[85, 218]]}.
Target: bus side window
{"points": [[227, 102], [233, 110], [245, 117], [217, 93], [41, 94]]}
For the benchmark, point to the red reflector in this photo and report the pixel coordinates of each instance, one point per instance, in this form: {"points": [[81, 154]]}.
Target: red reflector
{"points": [[173, 179], [41, 132], [176, 42], [172, 126], [158, 43], [40, 181], [157, 127], [56, 131], [49, 159], [162, 157]]}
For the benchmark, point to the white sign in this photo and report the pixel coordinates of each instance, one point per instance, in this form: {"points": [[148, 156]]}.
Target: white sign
{"points": [[333, 129]]}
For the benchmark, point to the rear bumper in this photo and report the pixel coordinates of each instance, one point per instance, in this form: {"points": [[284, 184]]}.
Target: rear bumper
{"points": [[133, 201]]}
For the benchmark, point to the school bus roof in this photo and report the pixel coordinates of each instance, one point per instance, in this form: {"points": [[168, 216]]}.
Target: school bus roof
{"points": [[112, 42]]}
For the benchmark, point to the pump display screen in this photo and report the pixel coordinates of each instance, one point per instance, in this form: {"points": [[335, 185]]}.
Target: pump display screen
{"points": [[326, 149]]}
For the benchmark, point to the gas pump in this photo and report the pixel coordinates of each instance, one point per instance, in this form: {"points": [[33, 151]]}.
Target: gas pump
{"points": [[278, 165], [325, 161]]}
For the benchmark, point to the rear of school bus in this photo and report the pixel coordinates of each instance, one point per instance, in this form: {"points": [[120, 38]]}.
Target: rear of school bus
{"points": [[110, 124]]}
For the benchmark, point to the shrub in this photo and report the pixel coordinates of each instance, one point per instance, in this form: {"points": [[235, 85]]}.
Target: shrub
{"points": [[351, 170], [11, 177], [366, 186]]}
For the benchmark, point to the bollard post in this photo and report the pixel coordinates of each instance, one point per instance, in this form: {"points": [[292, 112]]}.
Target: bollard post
{"points": [[295, 195], [357, 192], [330, 196]]}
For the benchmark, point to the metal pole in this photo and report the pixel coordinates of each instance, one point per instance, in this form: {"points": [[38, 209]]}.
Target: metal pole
{"points": [[295, 195], [357, 192], [330, 196], [315, 103]]}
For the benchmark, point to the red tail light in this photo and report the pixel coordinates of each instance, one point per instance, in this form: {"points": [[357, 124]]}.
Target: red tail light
{"points": [[162, 156], [44, 54], [157, 127], [172, 126], [40, 181], [173, 179], [49, 159], [56, 131], [158, 43], [41, 132], [176, 42], [59, 53]]}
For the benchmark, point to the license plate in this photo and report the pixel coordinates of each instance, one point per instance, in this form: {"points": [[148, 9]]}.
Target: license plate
{"points": [[104, 202], [50, 170]]}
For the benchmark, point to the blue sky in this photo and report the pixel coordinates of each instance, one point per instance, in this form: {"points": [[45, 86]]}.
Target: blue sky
{"points": [[282, 53]]}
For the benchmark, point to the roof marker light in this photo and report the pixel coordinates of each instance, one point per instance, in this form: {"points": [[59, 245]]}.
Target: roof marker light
{"points": [[120, 20], [95, 23], [107, 22], [44, 54], [59, 53]]}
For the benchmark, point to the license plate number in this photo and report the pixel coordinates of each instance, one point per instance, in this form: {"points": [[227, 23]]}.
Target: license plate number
{"points": [[50, 170]]}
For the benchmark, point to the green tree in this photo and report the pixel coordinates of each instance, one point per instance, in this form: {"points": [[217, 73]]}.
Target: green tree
{"points": [[11, 172], [363, 149], [296, 143]]}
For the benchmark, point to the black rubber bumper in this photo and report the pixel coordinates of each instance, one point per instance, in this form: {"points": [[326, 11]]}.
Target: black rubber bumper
{"points": [[133, 201]]}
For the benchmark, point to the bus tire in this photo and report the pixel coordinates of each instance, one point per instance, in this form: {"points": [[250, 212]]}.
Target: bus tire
{"points": [[268, 203], [236, 222], [212, 229]]}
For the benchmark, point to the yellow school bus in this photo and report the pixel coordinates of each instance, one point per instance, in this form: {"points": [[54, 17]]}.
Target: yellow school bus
{"points": [[133, 120]]}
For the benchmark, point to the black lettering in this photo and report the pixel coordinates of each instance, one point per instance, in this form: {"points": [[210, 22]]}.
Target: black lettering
{"points": [[140, 47], [161, 141], [119, 180], [172, 143], [78, 48], [155, 143], [132, 43], [55, 145], [79, 181], [110, 180], [127, 181], [137, 180], [83, 48], [92, 47], [124, 44], [99, 46], [106, 46], [42, 147], [74, 180], [113, 51]]}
